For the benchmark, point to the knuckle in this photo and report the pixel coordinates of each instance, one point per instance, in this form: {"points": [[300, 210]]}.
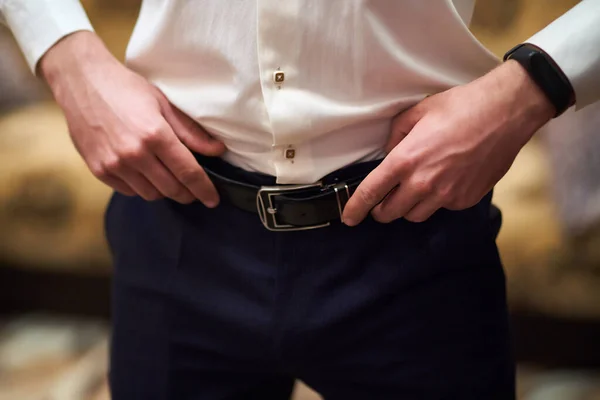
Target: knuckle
{"points": [[446, 196], [99, 170], [131, 153], [423, 186], [401, 165], [411, 160], [111, 165], [152, 136]]}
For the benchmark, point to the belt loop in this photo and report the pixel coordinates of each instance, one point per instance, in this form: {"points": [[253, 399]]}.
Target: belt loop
{"points": [[340, 201]]}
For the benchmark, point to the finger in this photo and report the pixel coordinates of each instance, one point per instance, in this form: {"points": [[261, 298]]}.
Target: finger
{"points": [[113, 171], [185, 168], [118, 185], [163, 180], [396, 204], [402, 124], [169, 185], [370, 192], [423, 210], [139, 184], [191, 133]]}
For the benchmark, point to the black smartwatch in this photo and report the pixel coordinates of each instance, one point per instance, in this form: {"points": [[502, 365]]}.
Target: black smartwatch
{"points": [[546, 74]]}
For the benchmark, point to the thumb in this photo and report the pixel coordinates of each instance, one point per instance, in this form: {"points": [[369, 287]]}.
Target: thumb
{"points": [[402, 124], [191, 133]]}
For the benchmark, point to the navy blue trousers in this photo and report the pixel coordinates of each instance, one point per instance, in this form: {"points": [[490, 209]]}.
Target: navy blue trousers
{"points": [[208, 304]]}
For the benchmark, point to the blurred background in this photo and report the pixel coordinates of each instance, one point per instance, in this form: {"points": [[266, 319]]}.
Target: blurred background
{"points": [[55, 268]]}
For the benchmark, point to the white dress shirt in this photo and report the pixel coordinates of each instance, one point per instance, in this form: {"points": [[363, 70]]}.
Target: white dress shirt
{"points": [[300, 88]]}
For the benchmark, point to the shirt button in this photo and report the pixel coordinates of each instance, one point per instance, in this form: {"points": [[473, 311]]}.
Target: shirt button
{"points": [[290, 154], [278, 77]]}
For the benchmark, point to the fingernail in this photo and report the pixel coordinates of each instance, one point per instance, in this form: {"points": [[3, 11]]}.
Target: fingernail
{"points": [[211, 203]]}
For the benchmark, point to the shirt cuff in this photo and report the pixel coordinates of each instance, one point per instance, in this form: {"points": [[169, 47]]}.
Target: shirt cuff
{"points": [[38, 24], [573, 43]]}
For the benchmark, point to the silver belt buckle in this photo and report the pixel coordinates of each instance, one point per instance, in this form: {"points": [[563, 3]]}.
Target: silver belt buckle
{"points": [[268, 212]]}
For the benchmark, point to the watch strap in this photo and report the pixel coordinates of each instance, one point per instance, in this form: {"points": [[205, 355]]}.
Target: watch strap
{"points": [[546, 74]]}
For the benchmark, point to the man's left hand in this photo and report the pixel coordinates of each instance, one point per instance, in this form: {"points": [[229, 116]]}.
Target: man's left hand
{"points": [[449, 150]]}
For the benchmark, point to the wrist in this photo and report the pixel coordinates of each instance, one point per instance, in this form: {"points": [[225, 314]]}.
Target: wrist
{"points": [[72, 53], [527, 94], [547, 75]]}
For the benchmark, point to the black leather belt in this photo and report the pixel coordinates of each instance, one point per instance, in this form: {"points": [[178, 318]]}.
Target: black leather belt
{"points": [[291, 207]]}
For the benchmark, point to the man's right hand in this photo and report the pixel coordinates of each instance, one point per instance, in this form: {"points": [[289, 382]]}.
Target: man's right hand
{"points": [[125, 129]]}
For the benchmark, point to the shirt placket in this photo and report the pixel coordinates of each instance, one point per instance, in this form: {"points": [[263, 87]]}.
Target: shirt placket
{"points": [[279, 41]]}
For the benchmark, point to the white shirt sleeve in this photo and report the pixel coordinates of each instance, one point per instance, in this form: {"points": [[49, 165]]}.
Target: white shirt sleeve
{"points": [[38, 24], [573, 41]]}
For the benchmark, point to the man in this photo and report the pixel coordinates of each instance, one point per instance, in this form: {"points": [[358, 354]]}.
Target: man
{"points": [[233, 300]]}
